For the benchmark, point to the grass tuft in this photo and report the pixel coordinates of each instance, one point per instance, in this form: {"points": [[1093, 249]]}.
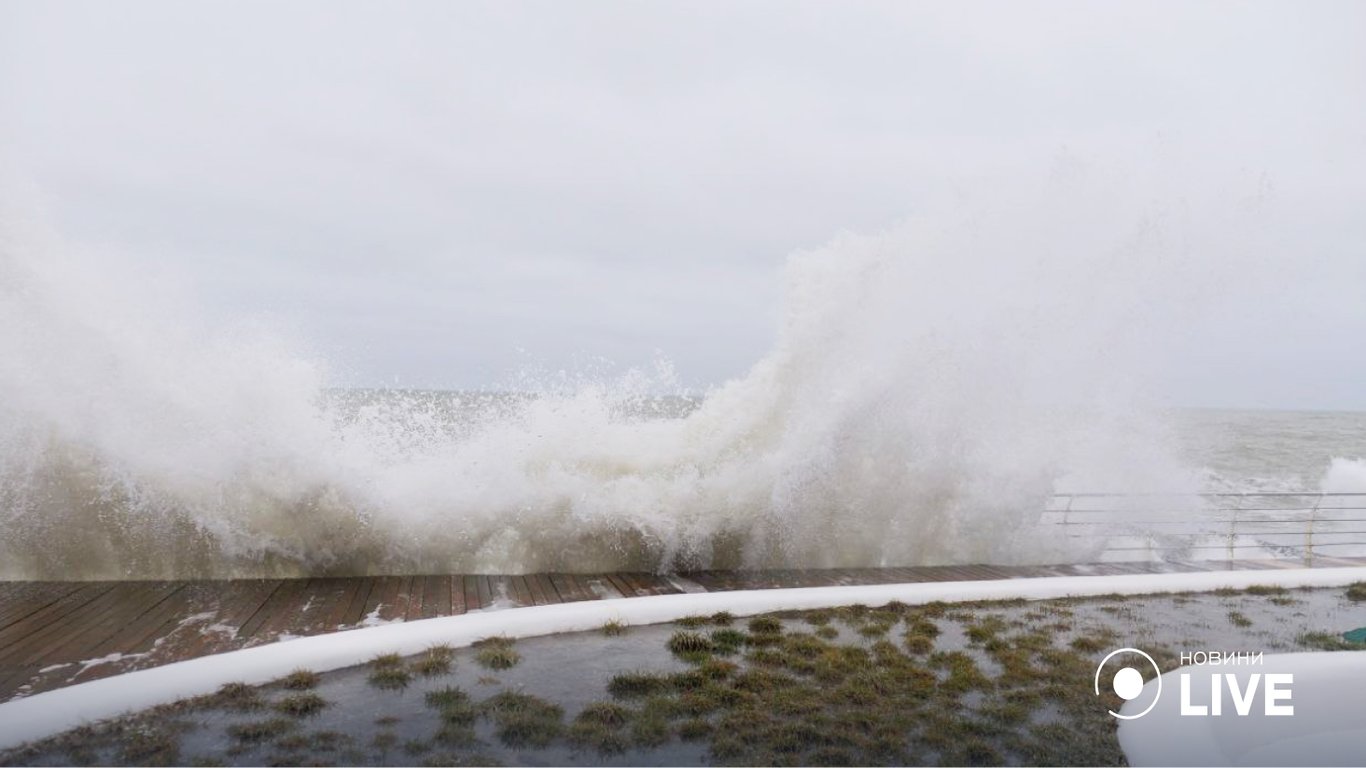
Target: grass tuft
{"points": [[765, 625], [301, 705], [390, 678], [629, 685], [614, 628], [258, 731], [496, 653], [300, 680]]}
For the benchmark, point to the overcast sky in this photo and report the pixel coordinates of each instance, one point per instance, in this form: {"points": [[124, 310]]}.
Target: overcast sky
{"points": [[439, 194]]}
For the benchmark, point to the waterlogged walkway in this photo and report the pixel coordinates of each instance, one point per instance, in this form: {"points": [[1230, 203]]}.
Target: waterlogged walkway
{"points": [[54, 634]]}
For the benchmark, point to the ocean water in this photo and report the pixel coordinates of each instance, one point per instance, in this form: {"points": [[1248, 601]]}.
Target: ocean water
{"points": [[924, 399]]}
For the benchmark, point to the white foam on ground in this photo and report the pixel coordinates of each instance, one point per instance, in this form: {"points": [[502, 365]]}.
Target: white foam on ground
{"points": [[1328, 726], [45, 714]]}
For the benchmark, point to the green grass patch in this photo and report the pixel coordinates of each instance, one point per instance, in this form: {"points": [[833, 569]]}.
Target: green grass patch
{"points": [[629, 685], [300, 680], [301, 705], [496, 653]]}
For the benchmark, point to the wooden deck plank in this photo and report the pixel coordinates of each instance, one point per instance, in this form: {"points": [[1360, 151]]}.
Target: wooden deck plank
{"points": [[40, 637], [360, 597], [626, 590], [260, 623], [542, 593], [132, 601], [28, 632], [564, 588], [380, 603], [520, 591], [457, 589], [484, 589], [436, 597], [28, 599], [417, 594], [470, 585], [340, 606]]}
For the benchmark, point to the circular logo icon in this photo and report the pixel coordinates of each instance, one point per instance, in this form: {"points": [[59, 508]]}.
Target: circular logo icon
{"points": [[1127, 682]]}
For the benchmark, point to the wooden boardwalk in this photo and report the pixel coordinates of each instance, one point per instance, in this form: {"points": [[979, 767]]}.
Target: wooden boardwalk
{"points": [[59, 633]]}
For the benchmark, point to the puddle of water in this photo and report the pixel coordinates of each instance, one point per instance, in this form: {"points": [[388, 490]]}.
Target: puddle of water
{"points": [[366, 725]]}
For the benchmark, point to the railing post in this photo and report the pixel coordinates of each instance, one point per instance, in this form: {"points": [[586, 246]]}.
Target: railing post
{"points": [[1232, 529], [1309, 531]]}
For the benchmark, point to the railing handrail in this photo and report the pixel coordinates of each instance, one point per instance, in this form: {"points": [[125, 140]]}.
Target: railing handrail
{"points": [[1205, 494], [1230, 523]]}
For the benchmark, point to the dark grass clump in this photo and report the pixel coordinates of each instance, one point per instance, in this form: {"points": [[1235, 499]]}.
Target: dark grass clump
{"points": [[630, 685], [693, 622], [1239, 619], [149, 745], [651, 729], [454, 707], [1325, 641], [456, 735], [727, 641], [301, 705], [496, 653], [614, 628], [691, 646], [599, 726], [1355, 592], [765, 625], [600, 738], [435, 661], [522, 720], [446, 697], [300, 680], [387, 672], [237, 697], [261, 730], [722, 618], [604, 713]]}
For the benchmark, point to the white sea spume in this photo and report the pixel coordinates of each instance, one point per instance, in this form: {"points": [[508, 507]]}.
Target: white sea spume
{"points": [[45, 714], [929, 387]]}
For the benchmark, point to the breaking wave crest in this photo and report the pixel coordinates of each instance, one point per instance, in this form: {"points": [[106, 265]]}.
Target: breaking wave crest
{"points": [[930, 386]]}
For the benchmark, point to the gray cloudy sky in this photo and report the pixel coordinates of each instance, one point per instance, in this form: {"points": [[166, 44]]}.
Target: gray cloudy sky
{"points": [[441, 193]]}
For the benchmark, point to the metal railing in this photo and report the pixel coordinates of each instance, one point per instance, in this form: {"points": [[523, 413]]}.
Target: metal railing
{"points": [[1207, 525]]}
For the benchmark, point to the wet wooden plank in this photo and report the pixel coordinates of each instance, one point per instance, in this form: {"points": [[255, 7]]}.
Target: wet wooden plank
{"points": [[259, 624], [40, 637], [360, 598], [520, 591], [381, 598], [29, 632], [339, 603], [132, 601], [501, 588], [456, 585], [603, 588], [484, 589], [564, 588], [470, 585], [542, 591], [436, 597], [28, 598], [416, 591]]}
